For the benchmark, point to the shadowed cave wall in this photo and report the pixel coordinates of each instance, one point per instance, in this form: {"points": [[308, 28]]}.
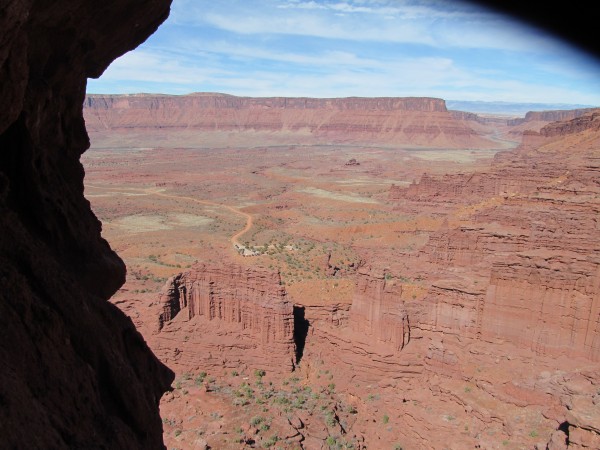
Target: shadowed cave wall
{"points": [[75, 372]]}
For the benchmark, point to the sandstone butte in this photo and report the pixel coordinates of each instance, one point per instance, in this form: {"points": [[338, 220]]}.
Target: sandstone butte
{"points": [[251, 303]]}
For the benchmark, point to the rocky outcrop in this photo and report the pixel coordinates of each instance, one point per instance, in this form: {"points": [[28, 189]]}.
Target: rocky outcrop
{"points": [[377, 311], [520, 171], [530, 244], [550, 116], [463, 115], [581, 123], [531, 125], [512, 285], [415, 121], [248, 307], [75, 372]]}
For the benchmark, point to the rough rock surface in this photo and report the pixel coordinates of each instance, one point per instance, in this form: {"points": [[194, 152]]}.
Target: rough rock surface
{"points": [[231, 314], [75, 372], [550, 116], [377, 313], [520, 266], [512, 283], [476, 324], [534, 237], [536, 120], [414, 121]]}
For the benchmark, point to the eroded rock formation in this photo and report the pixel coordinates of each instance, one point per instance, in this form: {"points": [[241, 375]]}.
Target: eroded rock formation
{"points": [[534, 121], [232, 315], [414, 121], [511, 281], [520, 266], [75, 372], [533, 236], [377, 312], [550, 116]]}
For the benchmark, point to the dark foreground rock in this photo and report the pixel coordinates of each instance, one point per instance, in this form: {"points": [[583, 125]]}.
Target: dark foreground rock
{"points": [[75, 372]]}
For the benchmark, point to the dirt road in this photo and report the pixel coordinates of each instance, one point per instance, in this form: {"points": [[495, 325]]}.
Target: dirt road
{"points": [[159, 193]]}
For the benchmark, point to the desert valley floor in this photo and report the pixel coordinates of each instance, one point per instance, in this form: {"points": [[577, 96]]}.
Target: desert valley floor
{"points": [[315, 287]]}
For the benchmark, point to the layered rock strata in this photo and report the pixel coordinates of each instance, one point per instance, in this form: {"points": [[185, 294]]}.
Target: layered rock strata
{"points": [[550, 116], [367, 339], [521, 268], [377, 313], [75, 372], [533, 236], [534, 121], [413, 121], [231, 314]]}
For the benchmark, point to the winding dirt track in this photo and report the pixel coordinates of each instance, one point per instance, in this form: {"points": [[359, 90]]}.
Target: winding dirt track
{"points": [[150, 191]]}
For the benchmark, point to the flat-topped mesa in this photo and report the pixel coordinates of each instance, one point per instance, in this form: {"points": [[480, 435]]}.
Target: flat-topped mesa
{"points": [[418, 121], [377, 310], [224, 101], [247, 302]]}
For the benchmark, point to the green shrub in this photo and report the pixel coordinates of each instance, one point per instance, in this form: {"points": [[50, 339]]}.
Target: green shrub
{"points": [[271, 441], [256, 420]]}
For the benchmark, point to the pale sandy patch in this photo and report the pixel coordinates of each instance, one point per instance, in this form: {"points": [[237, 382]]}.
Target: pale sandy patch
{"points": [[337, 196], [188, 220], [150, 223]]}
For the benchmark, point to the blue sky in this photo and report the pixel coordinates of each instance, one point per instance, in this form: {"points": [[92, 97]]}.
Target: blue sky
{"points": [[339, 48]]}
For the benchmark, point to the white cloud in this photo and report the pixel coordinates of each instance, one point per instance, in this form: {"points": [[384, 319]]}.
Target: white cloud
{"points": [[351, 48], [149, 66], [411, 25], [322, 27]]}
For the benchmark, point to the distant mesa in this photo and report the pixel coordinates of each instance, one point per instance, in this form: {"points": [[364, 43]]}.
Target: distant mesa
{"points": [[416, 121]]}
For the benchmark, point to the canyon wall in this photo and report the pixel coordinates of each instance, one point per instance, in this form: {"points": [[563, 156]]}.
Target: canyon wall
{"points": [[533, 235], [487, 333], [534, 121], [376, 312], [231, 315], [412, 121], [75, 372], [513, 279], [550, 116]]}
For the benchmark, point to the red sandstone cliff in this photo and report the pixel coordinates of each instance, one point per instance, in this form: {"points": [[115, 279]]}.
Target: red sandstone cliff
{"points": [[232, 315], [75, 372], [533, 234], [377, 312], [522, 268], [550, 116], [415, 121], [536, 120]]}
